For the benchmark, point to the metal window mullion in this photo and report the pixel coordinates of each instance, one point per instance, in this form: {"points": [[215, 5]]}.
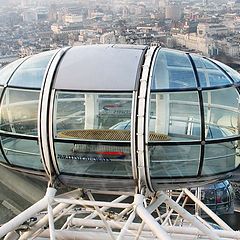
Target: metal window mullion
{"points": [[223, 70], [44, 114], [1, 144], [191, 89], [133, 134], [141, 120], [202, 119], [148, 99], [9, 114], [203, 134], [52, 129]]}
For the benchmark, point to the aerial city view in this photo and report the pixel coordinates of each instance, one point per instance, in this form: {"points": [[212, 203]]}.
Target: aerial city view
{"points": [[120, 119], [207, 27]]}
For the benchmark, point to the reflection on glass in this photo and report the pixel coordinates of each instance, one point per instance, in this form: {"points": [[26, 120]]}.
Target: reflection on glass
{"points": [[219, 197], [19, 111], [94, 159], [7, 71], [233, 74], [175, 115], [221, 109], [22, 153], [219, 158], [174, 161], [93, 116], [172, 70], [30, 73], [2, 159], [209, 74]]}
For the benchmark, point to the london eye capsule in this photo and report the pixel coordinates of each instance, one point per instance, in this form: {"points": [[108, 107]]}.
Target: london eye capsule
{"points": [[117, 117]]}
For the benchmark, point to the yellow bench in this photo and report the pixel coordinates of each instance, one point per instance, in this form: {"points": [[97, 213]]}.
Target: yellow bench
{"points": [[107, 134]]}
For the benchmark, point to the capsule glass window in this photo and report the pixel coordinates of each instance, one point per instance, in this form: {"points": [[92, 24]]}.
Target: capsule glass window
{"points": [[20, 111], [172, 70], [97, 128], [174, 117]]}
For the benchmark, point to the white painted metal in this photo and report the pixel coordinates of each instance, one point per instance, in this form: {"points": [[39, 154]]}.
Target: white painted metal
{"points": [[181, 230], [42, 222], [217, 219], [148, 219], [58, 211], [162, 113], [92, 203], [147, 119], [191, 219], [133, 139], [141, 118], [142, 217], [51, 222], [51, 130], [91, 111], [43, 114], [27, 214], [126, 226]]}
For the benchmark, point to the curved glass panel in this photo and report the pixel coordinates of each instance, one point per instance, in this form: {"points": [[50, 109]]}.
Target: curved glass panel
{"points": [[209, 74], [174, 161], [174, 117], [221, 113], [30, 73], [233, 74], [7, 71], [2, 159], [94, 117], [95, 160], [22, 152], [20, 111], [219, 158], [172, 69], [219, 197]]}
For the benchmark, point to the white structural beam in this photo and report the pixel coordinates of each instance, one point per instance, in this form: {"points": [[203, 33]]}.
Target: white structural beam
{"points": [[148, 219], [91, 111], [210, 213], [191, 219], [89, 235], [141, 119], [28, 213], [142, 218], [181, 230]]}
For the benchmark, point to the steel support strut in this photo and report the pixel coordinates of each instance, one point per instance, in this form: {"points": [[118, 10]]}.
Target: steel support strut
{"points": [[85, 215]]}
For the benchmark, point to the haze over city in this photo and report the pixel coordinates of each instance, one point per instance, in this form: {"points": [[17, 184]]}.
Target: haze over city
{"points": [[204, 26]]}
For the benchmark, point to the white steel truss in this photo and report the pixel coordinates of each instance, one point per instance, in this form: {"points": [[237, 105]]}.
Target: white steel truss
{"points": [[85, 215]]}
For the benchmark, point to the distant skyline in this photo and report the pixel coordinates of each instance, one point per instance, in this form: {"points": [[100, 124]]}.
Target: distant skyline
{"points": [[61, 1]]}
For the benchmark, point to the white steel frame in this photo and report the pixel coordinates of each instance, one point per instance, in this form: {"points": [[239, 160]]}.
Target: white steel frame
{"points": [[128, 216]]}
